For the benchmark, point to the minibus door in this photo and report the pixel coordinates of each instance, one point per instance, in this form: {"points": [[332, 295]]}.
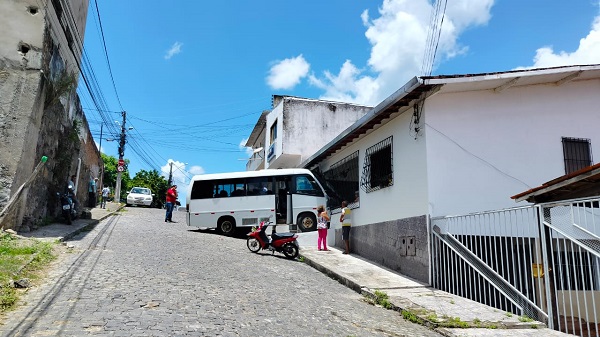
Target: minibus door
{"points": [[282, 200]]}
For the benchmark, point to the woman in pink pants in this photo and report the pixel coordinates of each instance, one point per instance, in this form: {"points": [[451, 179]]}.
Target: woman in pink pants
{"points": [[322, 227]]}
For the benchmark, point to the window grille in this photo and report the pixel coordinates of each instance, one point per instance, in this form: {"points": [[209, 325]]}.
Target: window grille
{"points": [[342, 182], [577, 154], [378, 168]]}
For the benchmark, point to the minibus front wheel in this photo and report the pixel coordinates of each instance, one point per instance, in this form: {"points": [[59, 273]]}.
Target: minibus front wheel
{"points": [[226, 225]]}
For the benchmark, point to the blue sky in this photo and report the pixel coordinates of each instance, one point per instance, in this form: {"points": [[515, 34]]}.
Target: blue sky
{"points": [[195, 76]]}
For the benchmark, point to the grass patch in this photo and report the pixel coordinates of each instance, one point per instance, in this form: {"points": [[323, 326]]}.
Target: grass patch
{"points": [[525, 319], [382, 299], [411, 317], [301, 259], [20, 259], [432, 318], [455, 322]]}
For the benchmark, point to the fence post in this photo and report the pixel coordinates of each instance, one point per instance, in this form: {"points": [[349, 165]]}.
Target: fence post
{"points": [[546, 241]]}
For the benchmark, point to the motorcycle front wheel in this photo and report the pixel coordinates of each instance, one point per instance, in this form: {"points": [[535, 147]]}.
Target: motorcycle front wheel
{"points": [[253, 244], [290, 250]]}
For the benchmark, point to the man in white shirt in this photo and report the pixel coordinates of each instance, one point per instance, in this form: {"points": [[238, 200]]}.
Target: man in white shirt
{"points": [[105, 193]]}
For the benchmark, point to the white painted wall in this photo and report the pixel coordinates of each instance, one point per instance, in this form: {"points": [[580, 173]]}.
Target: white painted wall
{"points": [[18, 25], [408, 196], [309, 124], [276, 116], [306, 125], [484, 147]]}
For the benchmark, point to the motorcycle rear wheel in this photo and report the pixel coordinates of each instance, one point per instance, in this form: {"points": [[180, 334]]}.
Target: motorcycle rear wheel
{"points": [[253, 244], [290, 250]]}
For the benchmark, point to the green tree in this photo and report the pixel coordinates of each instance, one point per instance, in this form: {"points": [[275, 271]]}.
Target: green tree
{"points": [[153, 181], [110, 174]]}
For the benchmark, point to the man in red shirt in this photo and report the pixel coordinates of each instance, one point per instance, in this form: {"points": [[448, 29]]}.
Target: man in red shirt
{"points": [[171, 199]]}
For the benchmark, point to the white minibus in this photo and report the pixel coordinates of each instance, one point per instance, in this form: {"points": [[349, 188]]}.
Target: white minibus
{"points": [[227, 201]]}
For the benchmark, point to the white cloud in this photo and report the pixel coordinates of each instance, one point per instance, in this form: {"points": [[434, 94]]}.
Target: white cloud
{"points": [[398, 37], [180, 173], [181, 176], [287, 73], [249, 151], [175, 49], [588, 51], [196, 170]]}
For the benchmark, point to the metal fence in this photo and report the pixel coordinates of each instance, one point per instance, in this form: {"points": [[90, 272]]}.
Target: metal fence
{"points": [[537, 261]]}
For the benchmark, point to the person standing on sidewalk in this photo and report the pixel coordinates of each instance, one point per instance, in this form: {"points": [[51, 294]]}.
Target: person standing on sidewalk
{"points": [[170, 201], [92, 192], [322, 227], [105, 193], [346, 220]]}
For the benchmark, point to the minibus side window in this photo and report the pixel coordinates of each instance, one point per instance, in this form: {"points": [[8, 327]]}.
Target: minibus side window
{"points": [[202, 190]]}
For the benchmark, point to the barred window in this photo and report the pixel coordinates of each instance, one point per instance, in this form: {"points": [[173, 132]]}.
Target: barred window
{"points": [[577, 154], [378, 168], [342, 182]]}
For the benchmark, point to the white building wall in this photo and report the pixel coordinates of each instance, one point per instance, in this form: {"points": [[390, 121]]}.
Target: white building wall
{"points": [[276, 115], [18, 25], [484, 147], [408, 196], [309, 125], [305, 126]]}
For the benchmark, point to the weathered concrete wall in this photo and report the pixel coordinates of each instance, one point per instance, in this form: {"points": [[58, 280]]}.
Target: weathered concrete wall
{"points": [[401, 245], [37, 117], [304, 126]]}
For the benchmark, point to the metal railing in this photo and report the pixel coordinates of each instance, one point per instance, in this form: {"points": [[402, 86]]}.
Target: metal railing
{"points": [[537, 261]]}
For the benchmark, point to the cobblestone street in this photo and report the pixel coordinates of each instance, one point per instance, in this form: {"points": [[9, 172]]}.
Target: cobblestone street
{"points": [[135, 275]]}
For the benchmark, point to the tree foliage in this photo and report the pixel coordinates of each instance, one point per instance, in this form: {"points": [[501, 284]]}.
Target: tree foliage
{"points": [[110, 174]]}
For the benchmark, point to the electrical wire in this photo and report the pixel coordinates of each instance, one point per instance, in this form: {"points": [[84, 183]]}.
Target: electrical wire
{"points": [[477, 157]]}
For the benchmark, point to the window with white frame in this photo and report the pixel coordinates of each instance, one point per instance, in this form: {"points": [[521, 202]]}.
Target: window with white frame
{"points": [[273, 133]]}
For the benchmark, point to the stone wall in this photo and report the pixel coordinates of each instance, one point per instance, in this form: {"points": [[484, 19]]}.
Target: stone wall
{"points": [[401, 245], [40, 118]]}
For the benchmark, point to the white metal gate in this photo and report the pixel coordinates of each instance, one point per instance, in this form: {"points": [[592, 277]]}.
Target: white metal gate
{"points": [[537, 261]]}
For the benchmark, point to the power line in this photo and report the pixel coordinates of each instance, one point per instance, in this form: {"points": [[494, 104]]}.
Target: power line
{"points": [[106, 54]]}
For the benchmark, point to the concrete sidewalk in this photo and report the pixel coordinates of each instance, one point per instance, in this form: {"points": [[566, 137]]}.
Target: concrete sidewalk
{"points": [[63, 232], [431, 307]]}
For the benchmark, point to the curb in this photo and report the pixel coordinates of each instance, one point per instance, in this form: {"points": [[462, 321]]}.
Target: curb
{"points": [[90, 225], [348, 283], [410, 311], [87, 227]]}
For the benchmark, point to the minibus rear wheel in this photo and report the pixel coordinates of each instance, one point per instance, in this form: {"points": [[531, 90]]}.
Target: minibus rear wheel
{"points": [[227, 225], [307, 222]]}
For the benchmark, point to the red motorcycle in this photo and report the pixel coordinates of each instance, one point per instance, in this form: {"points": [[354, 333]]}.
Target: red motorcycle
{"points": [[285, 243]]}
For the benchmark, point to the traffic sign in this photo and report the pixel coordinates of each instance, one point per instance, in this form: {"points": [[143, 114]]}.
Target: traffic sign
{"points": [[120, 168], [121, 162]]}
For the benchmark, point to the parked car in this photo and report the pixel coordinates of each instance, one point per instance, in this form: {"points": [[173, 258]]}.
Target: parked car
{"points": [[140, 196]]}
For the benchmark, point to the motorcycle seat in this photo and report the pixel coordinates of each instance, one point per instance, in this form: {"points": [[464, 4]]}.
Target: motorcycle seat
{"points": [[276, 236]]}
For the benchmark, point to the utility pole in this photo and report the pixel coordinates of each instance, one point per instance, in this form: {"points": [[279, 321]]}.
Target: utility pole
{"points": [[121, 155], [100, 150], [170, 175]]}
